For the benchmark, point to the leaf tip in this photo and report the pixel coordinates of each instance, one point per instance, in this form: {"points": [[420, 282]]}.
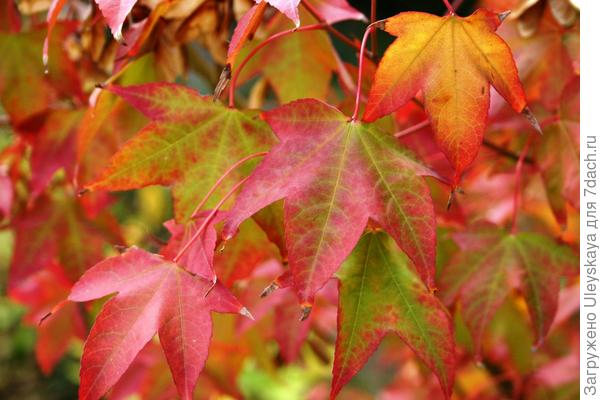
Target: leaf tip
{"points": [[503, 15], [224, 79], [246, 313], [273, 286], [118, 35], [532, 120], [53, 311], [305, 310]]}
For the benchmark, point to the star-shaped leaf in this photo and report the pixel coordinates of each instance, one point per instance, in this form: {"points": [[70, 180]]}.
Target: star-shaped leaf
{"points": [[335, 175], [189, 144], [452, 60], [154, 295], [492, 263], [380, 293]]}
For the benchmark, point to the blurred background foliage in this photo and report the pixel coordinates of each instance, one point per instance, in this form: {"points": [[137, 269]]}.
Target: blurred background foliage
{"points": [[264, 375]]}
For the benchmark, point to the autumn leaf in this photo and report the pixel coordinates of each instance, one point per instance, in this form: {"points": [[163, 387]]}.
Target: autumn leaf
{"points": [[154, 295], [492, 263], [380, 293], [452, 60], [334, 175], [189, 143]]}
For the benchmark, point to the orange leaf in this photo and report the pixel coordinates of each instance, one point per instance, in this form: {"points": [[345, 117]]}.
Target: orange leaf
{"points": [[452, 60]]}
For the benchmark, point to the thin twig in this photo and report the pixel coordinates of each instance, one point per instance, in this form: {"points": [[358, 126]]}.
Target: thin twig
{"points": [[222, 178]]}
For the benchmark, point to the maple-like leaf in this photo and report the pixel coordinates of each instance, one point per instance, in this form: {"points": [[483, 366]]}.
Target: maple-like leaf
{"points": [[154, 295], [189, 144], [452, 60], [380, 293], [492, 263], [335, 174]]}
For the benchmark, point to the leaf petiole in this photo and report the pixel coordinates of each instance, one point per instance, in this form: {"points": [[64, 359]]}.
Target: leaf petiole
{"points": [[222, 178], [208, 218], [374, 25]]}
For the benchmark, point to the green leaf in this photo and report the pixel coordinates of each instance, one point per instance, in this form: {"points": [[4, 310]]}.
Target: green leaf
{"points": [[189, 144], [380, 292]]}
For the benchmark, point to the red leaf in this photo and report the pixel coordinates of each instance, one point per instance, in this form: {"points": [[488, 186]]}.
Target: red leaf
{"points": [[154, 295]]}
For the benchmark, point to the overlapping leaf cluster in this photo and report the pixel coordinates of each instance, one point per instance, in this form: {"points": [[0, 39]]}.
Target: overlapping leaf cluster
{"points": [[435, 211]]}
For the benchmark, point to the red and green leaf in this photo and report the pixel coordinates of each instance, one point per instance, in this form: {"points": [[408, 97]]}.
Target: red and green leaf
{"points": [[381, 293], [189, 144]]}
